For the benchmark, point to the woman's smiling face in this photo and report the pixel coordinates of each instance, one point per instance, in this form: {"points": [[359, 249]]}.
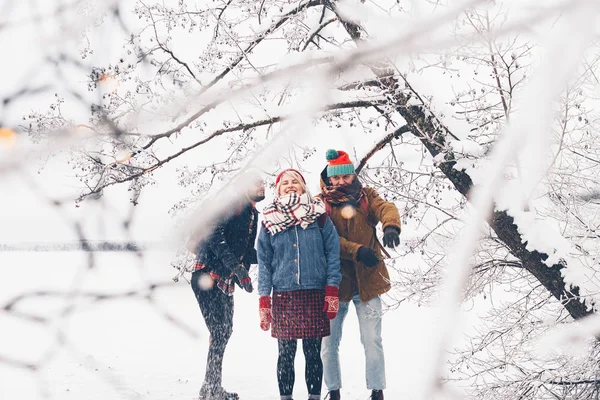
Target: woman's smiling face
{"points": [[289, 184]]}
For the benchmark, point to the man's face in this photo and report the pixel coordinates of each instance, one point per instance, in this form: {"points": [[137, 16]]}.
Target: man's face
{"points": [[341, 180], [256, 192]]}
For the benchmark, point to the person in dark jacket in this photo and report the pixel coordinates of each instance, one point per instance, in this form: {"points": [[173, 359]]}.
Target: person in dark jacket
{"points": [[299, 261], [223, 258], [355, 211]]}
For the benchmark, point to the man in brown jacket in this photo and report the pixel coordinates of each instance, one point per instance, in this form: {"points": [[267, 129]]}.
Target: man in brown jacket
{"points": [[355, 211]]}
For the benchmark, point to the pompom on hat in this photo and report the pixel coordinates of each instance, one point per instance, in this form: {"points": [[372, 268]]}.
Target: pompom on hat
{"points": [[338, 163]]}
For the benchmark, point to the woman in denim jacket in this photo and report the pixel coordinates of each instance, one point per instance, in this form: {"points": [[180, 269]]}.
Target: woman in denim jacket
{"points": [[299, 261]]}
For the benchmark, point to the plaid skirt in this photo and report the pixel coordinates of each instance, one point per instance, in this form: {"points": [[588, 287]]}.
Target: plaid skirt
{"points": [[299, 315]]}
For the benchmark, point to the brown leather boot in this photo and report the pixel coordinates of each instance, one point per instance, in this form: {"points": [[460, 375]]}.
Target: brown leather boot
{"points": [[376, 395]]}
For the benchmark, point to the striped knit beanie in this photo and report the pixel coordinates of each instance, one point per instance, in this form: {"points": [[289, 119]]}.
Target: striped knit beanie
{"points": [[338, 163]]}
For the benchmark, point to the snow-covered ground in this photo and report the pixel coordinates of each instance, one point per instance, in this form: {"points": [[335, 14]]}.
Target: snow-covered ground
{"points": [[125, 348]]}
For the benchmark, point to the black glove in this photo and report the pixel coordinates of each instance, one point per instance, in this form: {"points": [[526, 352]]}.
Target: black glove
{"points": [[243, 279], [391, 237], [367, 256]]}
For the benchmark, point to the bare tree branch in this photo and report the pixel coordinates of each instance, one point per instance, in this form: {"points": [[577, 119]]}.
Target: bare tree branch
{"points": [[164, 47], [380, 145], [259, 38], [238, 127], [424, 125], [316, 32]]}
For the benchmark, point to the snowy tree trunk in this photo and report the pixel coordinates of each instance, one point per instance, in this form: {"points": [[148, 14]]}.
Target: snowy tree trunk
{"points": [[432, 133]]}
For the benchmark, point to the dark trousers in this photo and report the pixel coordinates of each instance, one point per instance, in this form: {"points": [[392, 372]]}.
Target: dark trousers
{"points": [[313, 373], [217, 310]]}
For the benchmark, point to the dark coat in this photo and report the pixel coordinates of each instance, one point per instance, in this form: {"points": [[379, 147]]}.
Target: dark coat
{"points": [[230, 242], [357, 231]]}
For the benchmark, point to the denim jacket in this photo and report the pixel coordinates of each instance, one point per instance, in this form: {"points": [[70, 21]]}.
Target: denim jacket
{"points": [[298, 258]]}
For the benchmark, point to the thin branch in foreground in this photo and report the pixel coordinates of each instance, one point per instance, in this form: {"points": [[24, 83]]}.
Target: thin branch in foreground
{"points": [[93, 246], [11, 362]]}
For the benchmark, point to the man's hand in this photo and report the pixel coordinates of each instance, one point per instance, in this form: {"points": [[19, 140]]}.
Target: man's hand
{"points": [[391, 237], [243, 279], [367, 256]]}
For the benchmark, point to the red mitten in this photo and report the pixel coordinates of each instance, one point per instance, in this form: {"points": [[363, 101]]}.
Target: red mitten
{"points": [[264, 312], [332, 301]]}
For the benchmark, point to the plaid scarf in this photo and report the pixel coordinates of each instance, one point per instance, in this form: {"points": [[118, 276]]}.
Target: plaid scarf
{"points": [[292, 209], [350, 194]]}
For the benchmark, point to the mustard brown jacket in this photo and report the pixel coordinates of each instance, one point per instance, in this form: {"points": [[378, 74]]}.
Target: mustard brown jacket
{"points": [[357, 231]]}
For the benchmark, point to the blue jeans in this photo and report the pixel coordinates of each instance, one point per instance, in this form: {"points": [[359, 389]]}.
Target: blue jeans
{"points": [[369, 321]]}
